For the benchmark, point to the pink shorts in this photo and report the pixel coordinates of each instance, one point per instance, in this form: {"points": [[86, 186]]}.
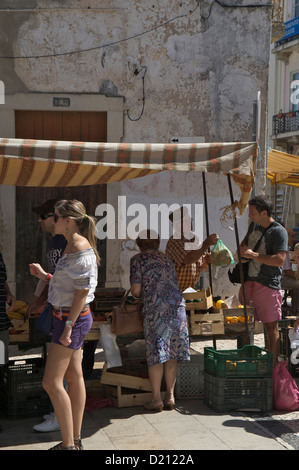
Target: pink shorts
{"points": [[266, 302]]}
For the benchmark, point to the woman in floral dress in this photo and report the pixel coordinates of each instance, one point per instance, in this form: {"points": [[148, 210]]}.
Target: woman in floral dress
{"points": [[153, 278]]}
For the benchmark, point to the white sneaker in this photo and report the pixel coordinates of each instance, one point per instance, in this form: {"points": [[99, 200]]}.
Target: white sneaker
{"points": [[46, 417], [48, 425]]}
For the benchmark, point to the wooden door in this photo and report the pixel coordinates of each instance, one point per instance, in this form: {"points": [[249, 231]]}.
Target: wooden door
{"points": [[31, 243]]}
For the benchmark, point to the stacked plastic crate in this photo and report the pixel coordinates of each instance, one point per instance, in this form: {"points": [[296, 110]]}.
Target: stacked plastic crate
{"points": [[238, 379], [21, 391]]}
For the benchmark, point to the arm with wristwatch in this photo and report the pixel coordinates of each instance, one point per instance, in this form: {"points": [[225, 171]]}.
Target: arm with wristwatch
{"points": [[78, 302]]}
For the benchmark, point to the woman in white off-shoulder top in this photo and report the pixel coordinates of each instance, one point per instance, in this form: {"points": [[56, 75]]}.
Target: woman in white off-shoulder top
{"points": [[71, 289]]}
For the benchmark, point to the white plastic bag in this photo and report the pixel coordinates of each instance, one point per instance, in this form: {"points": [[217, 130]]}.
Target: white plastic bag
{"points": [[232, 302], [294, 337], [111, 349]]}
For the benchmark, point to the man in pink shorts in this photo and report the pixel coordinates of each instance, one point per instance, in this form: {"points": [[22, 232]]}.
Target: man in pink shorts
{"points": [[263, 286]]}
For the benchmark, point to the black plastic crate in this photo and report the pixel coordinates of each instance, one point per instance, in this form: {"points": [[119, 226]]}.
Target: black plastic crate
{"points": [[25, 405], [228, 394], [22, 376], [21, 391]]}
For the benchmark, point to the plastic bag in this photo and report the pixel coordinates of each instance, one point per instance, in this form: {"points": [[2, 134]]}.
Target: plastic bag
{"points": [[294, 340], [285, 390], [221, 256], [111, 349]]}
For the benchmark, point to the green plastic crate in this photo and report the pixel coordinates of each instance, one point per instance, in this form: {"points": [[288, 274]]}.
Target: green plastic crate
{"points": [[228, 394], [249, 361]]}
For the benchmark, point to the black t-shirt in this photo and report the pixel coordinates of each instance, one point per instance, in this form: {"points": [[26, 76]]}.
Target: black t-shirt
{"points": [[275, 239], [55, 251]]}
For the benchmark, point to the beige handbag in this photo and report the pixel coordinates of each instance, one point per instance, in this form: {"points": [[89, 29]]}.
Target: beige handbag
{"points": [[127, 318]]}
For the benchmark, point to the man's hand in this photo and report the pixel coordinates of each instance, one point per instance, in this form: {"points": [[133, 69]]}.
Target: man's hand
{"points": [[205, 261], [247, 252], [37, 271]]}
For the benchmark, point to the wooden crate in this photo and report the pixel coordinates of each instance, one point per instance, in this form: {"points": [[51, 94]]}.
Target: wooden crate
{"points": [[206, 324], [238, 327], [204, 299], [106, 298], [124, 397], [125, 380]]}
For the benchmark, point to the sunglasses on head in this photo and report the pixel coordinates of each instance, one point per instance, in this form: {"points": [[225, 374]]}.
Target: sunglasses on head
{"points": [[45, 216]]}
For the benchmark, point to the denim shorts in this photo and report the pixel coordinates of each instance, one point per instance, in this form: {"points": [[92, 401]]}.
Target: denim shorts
{"points": [[79, 330]]}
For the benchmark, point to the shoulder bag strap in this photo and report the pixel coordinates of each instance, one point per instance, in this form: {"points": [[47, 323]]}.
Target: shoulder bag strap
{"points": [[259, 241]]}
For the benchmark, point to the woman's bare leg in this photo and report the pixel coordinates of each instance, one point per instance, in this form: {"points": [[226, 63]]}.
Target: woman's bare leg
{"points": [[58, 360], [76, 391], [155, 375], [170, 373]]}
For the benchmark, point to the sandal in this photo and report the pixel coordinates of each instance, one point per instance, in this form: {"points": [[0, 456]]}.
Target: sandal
{"points": [[169, 403], [78, 444], [156, 405], [61, 447]]}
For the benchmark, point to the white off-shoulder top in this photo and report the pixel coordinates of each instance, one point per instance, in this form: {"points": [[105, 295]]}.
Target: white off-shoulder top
{"points": [[73, 271]]}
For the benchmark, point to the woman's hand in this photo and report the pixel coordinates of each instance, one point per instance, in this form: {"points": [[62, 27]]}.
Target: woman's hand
{"points": [[37, 271], [65, 338]]}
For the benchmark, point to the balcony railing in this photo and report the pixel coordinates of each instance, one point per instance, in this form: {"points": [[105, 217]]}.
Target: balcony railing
{"points": [[285, 122]]}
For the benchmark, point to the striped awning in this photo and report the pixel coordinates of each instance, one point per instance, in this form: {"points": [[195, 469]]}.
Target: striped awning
{"points": [[42, 163], [283, 168]]}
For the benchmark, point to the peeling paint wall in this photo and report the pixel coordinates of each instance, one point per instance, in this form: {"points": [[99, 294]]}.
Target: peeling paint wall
{"points": [[201, 65]]}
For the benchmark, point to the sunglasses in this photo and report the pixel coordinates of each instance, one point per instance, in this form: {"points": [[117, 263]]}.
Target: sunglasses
{"points": [[45, 216], [56, 217]]}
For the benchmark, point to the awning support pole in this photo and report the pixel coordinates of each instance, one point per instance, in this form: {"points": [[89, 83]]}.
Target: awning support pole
{"points": [[247, 338], [207, 223]]}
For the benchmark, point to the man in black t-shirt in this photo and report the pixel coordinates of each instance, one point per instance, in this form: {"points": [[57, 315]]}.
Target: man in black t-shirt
{"points": [[54, 251], [263, 286]]}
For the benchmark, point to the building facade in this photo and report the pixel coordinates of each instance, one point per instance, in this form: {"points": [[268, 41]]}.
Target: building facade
{"points": [[284, 105], [167, 71]]}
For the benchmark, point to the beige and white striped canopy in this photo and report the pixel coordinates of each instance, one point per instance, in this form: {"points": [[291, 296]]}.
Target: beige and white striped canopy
{"points": [[42, 163]]}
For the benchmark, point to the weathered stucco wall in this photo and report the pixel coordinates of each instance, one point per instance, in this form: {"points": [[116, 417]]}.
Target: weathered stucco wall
{"points": [[201, 65], [202, 74]]}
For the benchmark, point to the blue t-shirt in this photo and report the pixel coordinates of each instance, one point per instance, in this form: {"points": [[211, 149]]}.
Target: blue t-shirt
{"points": [[275, 239]]}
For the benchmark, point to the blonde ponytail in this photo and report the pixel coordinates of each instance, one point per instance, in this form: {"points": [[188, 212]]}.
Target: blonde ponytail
{"points": [[76, 210]]}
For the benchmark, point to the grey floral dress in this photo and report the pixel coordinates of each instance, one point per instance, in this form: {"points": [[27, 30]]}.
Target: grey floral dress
{"points": [[164, 312]]}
